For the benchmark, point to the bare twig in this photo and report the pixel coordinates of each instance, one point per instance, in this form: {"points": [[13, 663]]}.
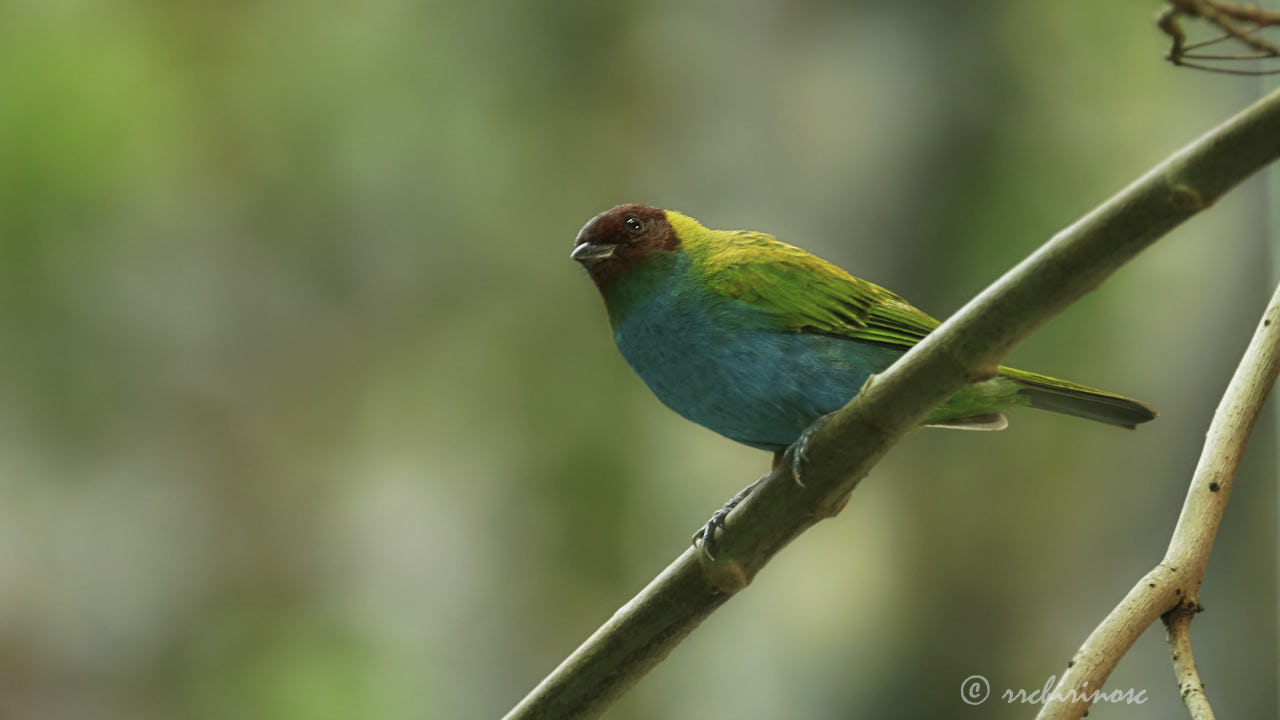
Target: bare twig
{"points": [[967, 347], [1173, 586], [1178, 623], [1238, 23]]}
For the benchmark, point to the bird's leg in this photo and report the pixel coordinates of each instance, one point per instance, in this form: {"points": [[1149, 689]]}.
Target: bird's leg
{"points": [[778, 457], [800, 448], [707, 532]]}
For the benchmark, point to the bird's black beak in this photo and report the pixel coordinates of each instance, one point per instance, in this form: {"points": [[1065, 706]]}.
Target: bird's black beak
{"points": [[593, 251]]}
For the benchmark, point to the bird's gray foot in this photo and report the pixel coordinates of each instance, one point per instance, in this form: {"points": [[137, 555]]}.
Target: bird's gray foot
{"points": [[706, 535]]}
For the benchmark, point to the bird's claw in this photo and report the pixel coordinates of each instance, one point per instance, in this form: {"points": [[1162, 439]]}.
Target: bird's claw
{"points": [[800, 448], [705, 537]]}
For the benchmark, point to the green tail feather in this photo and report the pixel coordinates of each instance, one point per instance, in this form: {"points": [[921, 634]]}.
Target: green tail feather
{"points": [[1068, 398]]}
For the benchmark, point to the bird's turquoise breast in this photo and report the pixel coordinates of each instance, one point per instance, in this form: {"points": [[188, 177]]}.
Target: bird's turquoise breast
{"points": [[716, 361]]}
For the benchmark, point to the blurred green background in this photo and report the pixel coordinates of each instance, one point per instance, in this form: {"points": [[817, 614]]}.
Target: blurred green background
{"points": [[305, 412]]}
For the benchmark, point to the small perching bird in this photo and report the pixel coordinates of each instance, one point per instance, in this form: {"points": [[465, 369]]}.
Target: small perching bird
{"points": [[756, 339]]}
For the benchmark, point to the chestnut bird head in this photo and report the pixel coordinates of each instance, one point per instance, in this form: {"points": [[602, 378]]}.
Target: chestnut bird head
{"points": [[611, 241]]}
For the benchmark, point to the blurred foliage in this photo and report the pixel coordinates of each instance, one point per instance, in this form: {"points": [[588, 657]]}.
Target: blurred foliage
{"points": [[305, 413]]}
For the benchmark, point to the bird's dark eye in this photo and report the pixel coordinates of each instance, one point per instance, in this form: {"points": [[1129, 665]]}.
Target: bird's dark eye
{"points": [[634, 224]]}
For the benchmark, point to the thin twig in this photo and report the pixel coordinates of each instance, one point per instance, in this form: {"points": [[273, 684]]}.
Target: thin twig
{"points": [[1178, 623], [1175, 582], [1224, 16]]}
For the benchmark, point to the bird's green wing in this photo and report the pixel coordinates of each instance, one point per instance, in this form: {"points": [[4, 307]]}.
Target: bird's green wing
{"points": [[804, 293]]}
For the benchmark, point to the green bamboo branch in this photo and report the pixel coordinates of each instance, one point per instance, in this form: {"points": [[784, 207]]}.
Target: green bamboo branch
{"points": [[966, 348]]}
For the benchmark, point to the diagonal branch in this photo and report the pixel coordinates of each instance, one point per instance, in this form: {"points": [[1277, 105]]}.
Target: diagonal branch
{"points": [[1172, 588], [966, 348]]}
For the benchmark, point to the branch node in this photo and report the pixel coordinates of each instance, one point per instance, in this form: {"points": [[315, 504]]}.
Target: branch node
{"points": [[983, 372], [724, 573], [832, 509], [1186, 199], [1185, 608]]}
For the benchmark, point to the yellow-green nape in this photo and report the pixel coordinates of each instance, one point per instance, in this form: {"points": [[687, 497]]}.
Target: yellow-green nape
{"points": [[685, 227]]}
